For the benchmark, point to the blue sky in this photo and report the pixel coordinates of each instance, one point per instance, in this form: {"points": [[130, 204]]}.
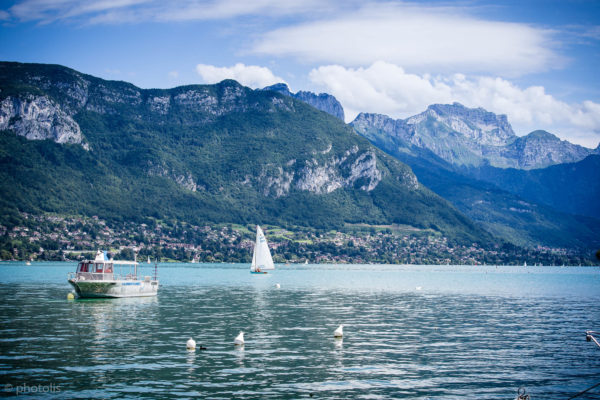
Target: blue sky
{"points": [[536, 61]]}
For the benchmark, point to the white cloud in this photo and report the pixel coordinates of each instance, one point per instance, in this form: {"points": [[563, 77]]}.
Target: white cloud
{"points": [[422, 38], [194, 10], [47, 11], [387, 89], [119, 11], [248, 75], [173, 74]]}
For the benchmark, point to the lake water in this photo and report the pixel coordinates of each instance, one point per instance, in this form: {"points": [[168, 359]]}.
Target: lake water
{"points": [[415, 332]]}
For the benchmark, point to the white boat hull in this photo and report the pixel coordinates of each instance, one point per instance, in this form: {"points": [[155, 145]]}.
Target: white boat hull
{"points": [[115, 288]]}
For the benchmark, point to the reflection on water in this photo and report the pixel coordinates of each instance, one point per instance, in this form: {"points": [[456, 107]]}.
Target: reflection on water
{"points": [[441, 342]]}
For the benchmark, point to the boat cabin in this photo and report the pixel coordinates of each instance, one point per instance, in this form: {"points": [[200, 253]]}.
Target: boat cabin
{"points": [[95, 270], [103, 269]]}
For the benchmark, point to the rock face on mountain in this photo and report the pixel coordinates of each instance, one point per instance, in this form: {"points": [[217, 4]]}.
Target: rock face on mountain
{"points": [[218, 153], [38, 118], [540, 149], [349, 170], [470, 137], [322, 101]]}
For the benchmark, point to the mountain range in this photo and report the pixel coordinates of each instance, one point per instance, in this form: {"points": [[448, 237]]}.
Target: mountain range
{"points": [[199, 153], [76, 144], [546, 198]]}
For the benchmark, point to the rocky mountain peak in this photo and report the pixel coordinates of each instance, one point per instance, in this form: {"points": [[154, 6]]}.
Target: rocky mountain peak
{"points": [[540, 149], [365, 122], [322, 101], [471, 137], [476, 124], [542, 135], [279, 88]]}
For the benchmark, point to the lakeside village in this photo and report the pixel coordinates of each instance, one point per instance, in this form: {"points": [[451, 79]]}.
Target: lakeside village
{"points": [[69, 238]]}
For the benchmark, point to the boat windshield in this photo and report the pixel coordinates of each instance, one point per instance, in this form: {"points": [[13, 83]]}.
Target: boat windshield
{"points": [[83, 267], [97, 268]]}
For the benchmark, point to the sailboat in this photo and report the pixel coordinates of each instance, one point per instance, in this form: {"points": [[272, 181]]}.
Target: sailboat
{"points": [[261, 259]]}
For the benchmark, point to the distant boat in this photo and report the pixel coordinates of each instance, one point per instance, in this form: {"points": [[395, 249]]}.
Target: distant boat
{"points": [[194, 260], [261, 258], [28, 263], [305, 262], [149, 260]]}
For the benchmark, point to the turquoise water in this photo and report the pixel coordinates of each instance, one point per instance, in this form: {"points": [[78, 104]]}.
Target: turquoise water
{"points": [[417, 332]]}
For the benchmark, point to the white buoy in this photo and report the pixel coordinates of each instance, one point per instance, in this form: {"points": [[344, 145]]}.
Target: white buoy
{"points": [[339, 332], [191, 344], [239, 340], [277, 285], [418, 288]]}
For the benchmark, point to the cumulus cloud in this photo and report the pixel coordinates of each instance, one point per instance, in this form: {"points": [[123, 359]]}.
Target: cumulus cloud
{"points": [[248, 75], [388, 89], [432, 39]]}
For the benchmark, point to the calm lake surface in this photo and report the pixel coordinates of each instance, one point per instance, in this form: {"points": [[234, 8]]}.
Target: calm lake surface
{"points": [[415, 332]]}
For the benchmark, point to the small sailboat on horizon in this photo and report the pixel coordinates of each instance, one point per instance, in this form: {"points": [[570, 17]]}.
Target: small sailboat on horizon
{"points": [[261, 258]]}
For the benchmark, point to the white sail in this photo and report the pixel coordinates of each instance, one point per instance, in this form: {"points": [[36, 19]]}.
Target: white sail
{"points": [[261, 259]]}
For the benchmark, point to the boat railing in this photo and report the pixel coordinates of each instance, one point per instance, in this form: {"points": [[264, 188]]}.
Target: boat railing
{"points": [[93, 276]]}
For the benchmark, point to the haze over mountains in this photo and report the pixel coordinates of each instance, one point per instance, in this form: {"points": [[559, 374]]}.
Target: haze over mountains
{"points": [[226, 153]]}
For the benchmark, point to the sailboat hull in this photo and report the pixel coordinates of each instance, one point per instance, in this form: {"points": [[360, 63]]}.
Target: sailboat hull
{"points": [[257, 272]]}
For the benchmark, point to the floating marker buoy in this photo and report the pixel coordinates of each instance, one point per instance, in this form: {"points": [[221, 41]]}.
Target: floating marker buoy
{"points": [[418, 288], [339, 332], [70, 296], [239, 340], [277, 285], [191, 344]]}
